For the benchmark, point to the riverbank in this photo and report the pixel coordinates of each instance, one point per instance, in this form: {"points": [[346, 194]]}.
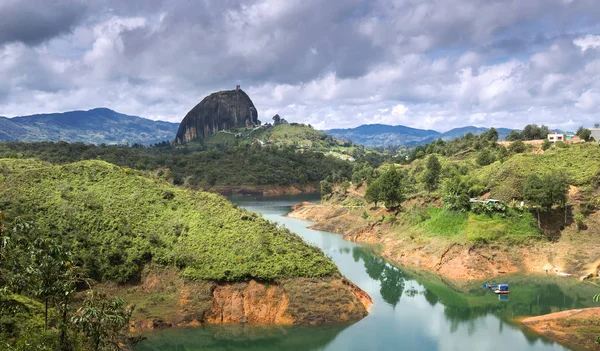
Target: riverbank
{"points": [[163, 299], [460, 260], [578, 328]]}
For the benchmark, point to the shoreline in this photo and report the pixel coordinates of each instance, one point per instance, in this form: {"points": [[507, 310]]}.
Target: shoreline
{"points": [[165, 300], [460, 261]]}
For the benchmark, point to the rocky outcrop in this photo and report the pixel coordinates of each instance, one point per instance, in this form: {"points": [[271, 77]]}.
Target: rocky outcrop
{"points": [[165, 300], [249, 303], [223, 110]]}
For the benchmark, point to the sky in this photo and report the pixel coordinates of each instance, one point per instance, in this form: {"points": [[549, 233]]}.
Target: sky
{"points": [[435, 64]]}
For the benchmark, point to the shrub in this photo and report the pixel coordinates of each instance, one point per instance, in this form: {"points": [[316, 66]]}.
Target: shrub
{"points": [[517, 147]]}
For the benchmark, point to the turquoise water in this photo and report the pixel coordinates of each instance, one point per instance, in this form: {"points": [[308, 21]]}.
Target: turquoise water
{"points": [[411, 310]]}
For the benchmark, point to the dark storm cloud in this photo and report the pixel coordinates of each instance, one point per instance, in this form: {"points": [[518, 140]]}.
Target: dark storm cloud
{"points": [[35, 21]]}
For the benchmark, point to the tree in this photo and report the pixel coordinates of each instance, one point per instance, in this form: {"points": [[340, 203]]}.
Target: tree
{"points": [[485, 157], [502, 153], [48, 272], [535, 193], [513, 135], [276, 120], [432, 173], [103, 320], [517, 147], [557, 186], [584, 133], [551, 189], [546, 145], [345, 186], [326, 187], [373, 193], [455, 194], [491, 135], [391, 187]]}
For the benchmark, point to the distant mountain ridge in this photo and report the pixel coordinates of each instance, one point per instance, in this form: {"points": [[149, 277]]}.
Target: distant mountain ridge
{"points": [[374, 135], [95, 126]]}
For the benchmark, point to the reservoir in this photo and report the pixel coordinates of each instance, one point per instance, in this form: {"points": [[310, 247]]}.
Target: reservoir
{"points": [[412, 310]]}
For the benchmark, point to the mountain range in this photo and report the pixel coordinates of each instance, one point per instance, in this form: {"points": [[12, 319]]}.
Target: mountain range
{"points": [[103, 125], [374, 135], [96, 126]]}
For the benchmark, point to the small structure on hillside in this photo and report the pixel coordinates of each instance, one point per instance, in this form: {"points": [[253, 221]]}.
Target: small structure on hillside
{"points": [[488, 201], [554, 137]]}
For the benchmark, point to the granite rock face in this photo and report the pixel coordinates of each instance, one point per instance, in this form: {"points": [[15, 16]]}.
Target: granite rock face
{"points": [[219, 111]]}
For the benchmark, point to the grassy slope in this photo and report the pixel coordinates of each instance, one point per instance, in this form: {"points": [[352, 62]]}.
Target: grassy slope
{"points": [[295, 135], [116, 220], [423, 216], [504, 180], [581, 162]]}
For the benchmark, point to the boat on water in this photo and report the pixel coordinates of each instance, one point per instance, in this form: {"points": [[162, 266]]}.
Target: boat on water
{"points": [[502, 289], [498, 289]]}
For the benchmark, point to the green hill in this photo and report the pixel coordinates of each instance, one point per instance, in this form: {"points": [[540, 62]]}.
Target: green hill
{"points": [[294, 135], [119, 221]]}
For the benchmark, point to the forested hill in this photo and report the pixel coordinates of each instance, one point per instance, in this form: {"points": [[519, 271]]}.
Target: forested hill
{"points": [[96, 126], [375, 135]]}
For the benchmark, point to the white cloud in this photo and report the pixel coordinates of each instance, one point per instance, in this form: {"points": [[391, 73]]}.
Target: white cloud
{"points": [[329, 63], [588, 42]]}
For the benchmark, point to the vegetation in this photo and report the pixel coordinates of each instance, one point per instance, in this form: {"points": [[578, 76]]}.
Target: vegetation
{"points": [[193, 165], [584, 133], [432, 173], [478, 167], [88, 221], [389, 188], [115, 221], [36, 268], [530, 132]]}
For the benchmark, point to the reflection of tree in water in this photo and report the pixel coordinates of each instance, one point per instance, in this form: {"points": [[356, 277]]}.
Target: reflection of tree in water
{"points": [[431, 298], [390, 278], [241, 338]]}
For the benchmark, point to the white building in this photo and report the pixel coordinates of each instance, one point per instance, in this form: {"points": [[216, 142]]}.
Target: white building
{"points": [[554, 137]]}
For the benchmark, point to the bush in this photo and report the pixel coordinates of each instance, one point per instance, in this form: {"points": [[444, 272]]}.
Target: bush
{"points": [[517, 147], [579, 220], [546, 145]]}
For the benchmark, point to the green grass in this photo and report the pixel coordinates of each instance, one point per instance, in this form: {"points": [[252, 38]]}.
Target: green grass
{"points": [[444, 223], [514, 225], [116, 220]]}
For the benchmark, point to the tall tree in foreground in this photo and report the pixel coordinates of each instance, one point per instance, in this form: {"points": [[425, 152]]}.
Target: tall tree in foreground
{"points": [[432, 173], [103, 320]]}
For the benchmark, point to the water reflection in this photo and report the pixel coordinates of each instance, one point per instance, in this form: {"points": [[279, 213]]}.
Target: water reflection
{"points": [[412, 310], [241, 337], [391, 279]]}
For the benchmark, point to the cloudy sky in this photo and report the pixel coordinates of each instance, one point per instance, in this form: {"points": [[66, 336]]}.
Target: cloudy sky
{"points": [[423, 63]]}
